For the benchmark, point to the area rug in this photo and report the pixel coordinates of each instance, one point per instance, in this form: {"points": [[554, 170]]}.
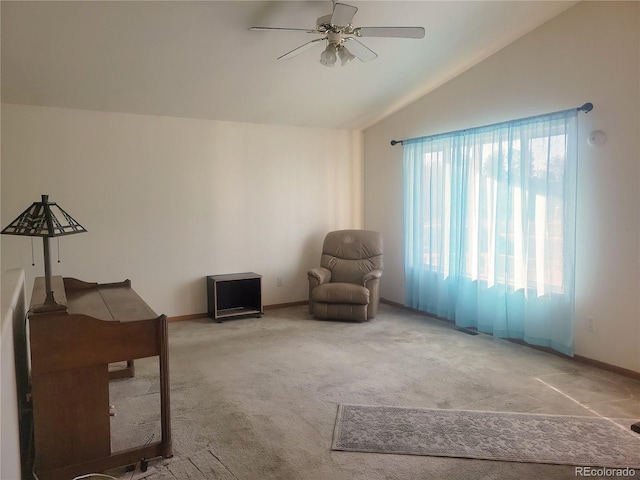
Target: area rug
{"points": [[513, 437]]}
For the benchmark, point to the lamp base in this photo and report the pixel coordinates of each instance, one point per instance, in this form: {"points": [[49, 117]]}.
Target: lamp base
{"points": [[49, 307]]}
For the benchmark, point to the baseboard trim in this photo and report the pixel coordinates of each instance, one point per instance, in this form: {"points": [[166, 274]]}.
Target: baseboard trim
{"points": [[182, 318], [607, 366], [625, 372], [399, 305], [197, 316], [285, 305]]}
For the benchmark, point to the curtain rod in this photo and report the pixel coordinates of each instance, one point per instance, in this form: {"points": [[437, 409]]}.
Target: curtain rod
{"points": [[586, 108]]}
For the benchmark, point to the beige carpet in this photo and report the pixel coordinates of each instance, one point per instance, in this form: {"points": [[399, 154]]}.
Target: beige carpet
{"points": [[505, 436], [257, 398]]}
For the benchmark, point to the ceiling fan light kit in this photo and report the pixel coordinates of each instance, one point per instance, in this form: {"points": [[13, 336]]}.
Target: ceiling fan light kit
{"points": [[338, 30], [345, 55], [328, 57]]}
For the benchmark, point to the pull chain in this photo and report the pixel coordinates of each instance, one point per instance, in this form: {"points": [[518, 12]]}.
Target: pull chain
{"points": [[33, 261], [58, 240]]}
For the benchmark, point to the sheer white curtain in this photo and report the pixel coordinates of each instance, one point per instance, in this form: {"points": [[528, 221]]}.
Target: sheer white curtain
{"points": [[490, 227]]}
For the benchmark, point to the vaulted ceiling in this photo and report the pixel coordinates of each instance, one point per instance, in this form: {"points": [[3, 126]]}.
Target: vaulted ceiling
{"points": [[199, 60]]}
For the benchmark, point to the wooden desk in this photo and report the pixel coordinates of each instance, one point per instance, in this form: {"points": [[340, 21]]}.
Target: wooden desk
{"points": [[70, 355]]}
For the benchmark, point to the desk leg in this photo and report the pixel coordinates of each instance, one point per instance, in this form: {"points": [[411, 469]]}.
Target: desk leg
{"points": [[126, 372], [165, 408]]}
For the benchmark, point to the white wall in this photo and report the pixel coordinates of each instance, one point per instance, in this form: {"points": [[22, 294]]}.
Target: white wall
{"points": [[590, 53], [13, 311], [167, 201]]}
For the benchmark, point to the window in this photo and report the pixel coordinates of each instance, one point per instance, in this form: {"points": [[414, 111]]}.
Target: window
{"points": [[527, 250]]}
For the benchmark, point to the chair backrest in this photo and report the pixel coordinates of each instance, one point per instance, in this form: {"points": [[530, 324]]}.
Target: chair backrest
{"points": [[350, 254]]}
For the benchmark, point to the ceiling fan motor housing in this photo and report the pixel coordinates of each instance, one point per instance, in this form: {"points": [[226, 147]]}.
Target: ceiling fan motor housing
{"points": [[323, 24]]}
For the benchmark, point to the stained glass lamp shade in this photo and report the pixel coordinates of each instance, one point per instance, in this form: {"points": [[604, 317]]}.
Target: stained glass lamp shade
{"points": [[44, 219]]}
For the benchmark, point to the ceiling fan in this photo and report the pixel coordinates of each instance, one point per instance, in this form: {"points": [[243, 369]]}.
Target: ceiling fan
{"points": [[338, 32]]}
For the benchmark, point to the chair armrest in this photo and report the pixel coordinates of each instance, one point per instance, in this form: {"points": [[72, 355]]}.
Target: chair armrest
{"points": [[320, 275], [372, 283], [372, 275], [317, 276]]}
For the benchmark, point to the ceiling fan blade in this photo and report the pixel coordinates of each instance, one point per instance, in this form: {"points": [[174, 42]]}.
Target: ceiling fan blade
{"points": [[397, 32], [300, 49], [342, 14], [280, 29], [359, 50]]}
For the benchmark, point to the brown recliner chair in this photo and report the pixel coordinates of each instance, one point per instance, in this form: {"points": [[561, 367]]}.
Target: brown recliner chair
{"points": [[346, 286]]}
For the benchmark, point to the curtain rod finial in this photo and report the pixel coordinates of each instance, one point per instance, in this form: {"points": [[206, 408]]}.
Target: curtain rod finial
{"points": [[587, 107], [395, 142]]}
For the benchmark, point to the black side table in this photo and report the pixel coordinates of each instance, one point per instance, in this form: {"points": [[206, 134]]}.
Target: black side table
{"points": [[234, 295]]}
